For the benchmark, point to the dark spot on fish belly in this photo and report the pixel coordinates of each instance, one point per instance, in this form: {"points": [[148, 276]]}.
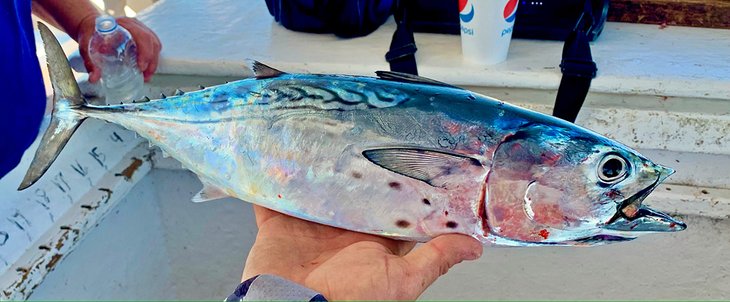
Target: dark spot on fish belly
{"points": [[357, 175], [402, 224], [394, 185], [426, 202], [446, 213], [451, 224]]}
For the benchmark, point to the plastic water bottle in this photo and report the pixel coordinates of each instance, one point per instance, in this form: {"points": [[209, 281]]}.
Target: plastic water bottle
{"points": [[113, 50]]}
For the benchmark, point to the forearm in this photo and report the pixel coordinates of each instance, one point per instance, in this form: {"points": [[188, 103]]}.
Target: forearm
{"points": [[64, 14]]}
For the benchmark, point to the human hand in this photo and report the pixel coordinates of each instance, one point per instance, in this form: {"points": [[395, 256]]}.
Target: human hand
{"points": [[345, 265], [148, 46]]}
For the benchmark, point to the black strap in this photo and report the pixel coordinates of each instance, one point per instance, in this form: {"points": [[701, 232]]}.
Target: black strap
{"points": [[577, 67], [402, 53]]}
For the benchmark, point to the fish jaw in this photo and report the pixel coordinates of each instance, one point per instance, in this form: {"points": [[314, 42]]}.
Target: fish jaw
{"points": [[633, 218], [645, 220]]}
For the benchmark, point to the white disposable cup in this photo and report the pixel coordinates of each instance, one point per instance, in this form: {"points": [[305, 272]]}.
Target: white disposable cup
{"points": [[486, 29]]}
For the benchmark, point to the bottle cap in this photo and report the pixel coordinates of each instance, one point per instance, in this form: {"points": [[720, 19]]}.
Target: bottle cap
{"points": [[105, 23]]}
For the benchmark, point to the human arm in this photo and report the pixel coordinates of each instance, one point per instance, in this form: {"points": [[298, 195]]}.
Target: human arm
{"points": [[345, 265], [77, 19]]}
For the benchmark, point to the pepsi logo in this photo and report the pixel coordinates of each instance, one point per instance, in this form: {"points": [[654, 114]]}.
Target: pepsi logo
{"points": [[464, 15], [510, 10]]}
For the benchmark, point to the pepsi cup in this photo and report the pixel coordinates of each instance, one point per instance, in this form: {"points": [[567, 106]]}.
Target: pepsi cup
{"points": [[486, 29]]}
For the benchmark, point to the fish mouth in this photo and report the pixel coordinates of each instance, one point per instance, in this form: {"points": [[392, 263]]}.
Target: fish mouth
{"points": [[633, 216]]}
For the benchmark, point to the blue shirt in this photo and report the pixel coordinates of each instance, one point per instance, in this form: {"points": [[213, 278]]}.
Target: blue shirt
{"points": [[22, 94]]}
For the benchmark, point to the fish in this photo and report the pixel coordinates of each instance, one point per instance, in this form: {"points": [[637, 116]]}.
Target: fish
{"points": [[396, 155]]}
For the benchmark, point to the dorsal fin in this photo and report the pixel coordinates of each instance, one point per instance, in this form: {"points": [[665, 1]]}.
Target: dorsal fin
{"points": [[262, 71], [409, 78]]}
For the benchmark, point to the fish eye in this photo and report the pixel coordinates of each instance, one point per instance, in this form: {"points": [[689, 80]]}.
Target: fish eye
{"points": [[612, 169]]}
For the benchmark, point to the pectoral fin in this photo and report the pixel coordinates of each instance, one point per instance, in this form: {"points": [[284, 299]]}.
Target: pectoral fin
{"points": [[209, 192], [434, 167]]}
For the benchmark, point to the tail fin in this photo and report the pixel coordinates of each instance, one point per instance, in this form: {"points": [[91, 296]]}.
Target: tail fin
{"points": [[64, 118]]}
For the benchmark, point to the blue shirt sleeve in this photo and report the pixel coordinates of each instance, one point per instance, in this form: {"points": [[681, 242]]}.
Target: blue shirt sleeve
{"points": [[23, 97]]}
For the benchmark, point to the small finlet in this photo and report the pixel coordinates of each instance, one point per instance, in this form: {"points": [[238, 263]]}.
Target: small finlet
{"points": [[261, 70], [201, 87], [142, 100], [163, 96], [178, 92]]}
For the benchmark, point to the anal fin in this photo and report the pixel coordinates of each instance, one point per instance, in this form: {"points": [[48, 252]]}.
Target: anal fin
{"points": [[209, 192]]}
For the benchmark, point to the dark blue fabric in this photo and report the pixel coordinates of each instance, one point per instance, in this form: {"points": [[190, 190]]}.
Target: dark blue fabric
{"points": [[22, 95], [241, 290], [347, 19]]}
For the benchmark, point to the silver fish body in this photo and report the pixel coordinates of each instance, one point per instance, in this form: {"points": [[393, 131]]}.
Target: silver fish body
{"points": [[398, 156]]}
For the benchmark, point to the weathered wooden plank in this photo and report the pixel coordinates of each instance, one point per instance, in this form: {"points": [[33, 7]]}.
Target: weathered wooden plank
{"points": [[697, 13]]}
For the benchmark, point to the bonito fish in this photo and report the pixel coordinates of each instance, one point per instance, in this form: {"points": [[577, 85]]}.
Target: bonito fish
{"points": [[398, 155]]}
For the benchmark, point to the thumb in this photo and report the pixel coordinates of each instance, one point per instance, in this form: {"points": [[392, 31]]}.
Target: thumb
{"points": [[94, 73], [434, 258], [85, 30]]}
